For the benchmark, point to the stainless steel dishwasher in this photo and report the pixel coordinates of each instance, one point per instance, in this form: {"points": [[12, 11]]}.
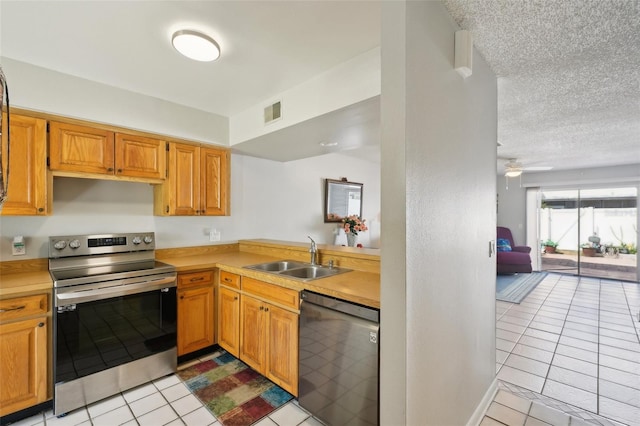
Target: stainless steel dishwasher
{"points": [[338, 355]]}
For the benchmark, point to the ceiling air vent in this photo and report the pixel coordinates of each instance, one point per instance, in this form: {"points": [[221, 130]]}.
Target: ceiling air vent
{"points": [[272, 113]]}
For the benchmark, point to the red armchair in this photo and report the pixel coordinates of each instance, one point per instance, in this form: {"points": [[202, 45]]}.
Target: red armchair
{"points": [[515, 260]]}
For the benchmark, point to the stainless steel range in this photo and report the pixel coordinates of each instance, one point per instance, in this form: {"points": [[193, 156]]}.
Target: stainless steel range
{"points": [[114, 316]]}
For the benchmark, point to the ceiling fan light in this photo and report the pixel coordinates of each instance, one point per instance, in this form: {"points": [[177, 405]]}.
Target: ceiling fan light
{"points": [[513, 173], [195, 45]]}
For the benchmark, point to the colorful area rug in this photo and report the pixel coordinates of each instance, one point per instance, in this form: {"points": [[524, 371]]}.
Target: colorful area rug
{"points": [[514, 288], [232, 391]]}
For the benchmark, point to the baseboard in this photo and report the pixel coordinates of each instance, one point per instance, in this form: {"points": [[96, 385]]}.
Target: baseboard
{"points": [[488, 397]]}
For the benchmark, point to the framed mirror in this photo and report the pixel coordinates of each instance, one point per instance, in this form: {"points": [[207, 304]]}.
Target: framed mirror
{"points": [[341, 199]]}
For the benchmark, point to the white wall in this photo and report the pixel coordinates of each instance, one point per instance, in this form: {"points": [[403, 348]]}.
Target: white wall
{"points": [[40, 89], [268, 200], [511, 206], [444, 307], [346, 84]]}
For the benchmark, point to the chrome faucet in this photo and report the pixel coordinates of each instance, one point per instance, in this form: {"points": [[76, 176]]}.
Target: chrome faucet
{"points": [[313, 250]]}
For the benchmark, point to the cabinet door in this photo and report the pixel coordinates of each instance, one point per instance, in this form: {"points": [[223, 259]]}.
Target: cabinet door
{"points": [[138, 156], [282, 348], [77, 148], [28, 184], [185, 181], [23, 364], [195, 319], [252, 332], [229, 320], [214, 181]]}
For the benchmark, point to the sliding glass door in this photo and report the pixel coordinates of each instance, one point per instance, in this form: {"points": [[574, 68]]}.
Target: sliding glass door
{"points": [[590, 232]]}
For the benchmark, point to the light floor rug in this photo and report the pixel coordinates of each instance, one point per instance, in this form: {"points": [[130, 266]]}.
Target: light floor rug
{"points": [[232, 391], [514, 288]]}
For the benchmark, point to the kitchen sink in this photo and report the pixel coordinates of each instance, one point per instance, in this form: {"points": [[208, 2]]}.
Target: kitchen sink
{"points": [[297, 270], [279, 266], [311, 272]]}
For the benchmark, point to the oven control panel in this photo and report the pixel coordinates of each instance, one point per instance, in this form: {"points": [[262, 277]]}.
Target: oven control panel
{"points": [[84, 245]]}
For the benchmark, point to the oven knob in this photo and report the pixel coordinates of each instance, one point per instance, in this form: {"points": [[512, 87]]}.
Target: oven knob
{"points": [[74, 244], [136, 240], [148, 239], [60, 244]]}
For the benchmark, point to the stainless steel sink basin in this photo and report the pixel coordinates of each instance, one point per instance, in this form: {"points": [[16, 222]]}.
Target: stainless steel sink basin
{"points": [[279, 266], [297, 270], [311, 272]]}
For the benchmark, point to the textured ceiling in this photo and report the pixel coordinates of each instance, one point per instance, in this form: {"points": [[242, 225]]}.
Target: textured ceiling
{"points": [[568, 77]]}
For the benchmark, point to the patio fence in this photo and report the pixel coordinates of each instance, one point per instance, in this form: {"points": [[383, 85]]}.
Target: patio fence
{"points": [[614, 226]]}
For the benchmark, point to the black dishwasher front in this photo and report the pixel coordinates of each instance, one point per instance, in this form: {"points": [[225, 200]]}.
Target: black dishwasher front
{"points": [[339, 360]]}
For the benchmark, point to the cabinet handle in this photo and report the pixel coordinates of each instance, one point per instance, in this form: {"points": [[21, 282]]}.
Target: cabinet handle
{"points": [[262, 308], [119, 170], [228, 280], [235, 297], [41, 209], [13, 309], [181, 297], [266, 309], [196, 279], [167, 210], [110, 169], [41, 324]]}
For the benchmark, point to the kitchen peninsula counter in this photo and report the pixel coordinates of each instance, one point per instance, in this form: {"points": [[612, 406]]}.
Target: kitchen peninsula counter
{"points": [[360, 285]]}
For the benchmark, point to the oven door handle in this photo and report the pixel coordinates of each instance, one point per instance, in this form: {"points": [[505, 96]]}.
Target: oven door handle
{"points": [[82, 296]]}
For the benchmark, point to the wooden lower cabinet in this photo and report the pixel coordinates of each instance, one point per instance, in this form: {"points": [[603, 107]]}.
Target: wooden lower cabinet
{"points": [[23, 353], [282, 348], [269, 341], [229, 320], [195, 311], [253, 332]]}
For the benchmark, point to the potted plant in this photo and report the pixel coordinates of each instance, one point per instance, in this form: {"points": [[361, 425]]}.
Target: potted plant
{"points": [[550, 246], [588, 250]]}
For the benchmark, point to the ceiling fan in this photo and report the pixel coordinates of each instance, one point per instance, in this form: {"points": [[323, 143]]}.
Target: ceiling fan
{"points": [[513, 168]]}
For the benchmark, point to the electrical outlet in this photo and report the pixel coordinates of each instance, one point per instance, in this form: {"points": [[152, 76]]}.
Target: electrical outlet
{"points": [[214, 235], [18, 248]]}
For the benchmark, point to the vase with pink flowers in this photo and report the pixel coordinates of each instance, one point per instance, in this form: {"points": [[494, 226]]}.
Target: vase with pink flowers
{"points": [[352, 225]]}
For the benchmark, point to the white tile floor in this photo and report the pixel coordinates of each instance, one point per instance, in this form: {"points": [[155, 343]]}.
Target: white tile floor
{"points": [[166, 401], [572, 344]]}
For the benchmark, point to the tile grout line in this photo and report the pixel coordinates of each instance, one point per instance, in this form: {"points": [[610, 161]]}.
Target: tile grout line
{"points": [[523, 333], [564, 323]]}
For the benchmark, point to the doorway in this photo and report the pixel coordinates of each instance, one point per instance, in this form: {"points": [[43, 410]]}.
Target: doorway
{"points": [[589, 232]]}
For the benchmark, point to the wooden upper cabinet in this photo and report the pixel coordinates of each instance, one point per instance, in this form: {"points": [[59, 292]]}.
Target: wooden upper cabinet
{"points": [[184, 182], [29, 186], [87, 150], [139, 156], [197, 182], [214, 181], [77, 148]]}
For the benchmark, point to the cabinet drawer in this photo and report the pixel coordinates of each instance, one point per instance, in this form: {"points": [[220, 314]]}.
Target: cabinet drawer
{"points": [[195, 279], [229, 279], [22, 307], [271, 292]]}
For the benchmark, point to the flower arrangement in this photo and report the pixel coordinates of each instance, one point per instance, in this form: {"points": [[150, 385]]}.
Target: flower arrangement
{"points": [[353, 224]]}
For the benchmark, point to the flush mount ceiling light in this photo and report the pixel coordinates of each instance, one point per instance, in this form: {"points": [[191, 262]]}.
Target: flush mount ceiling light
{"points": [[195, 45]]}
